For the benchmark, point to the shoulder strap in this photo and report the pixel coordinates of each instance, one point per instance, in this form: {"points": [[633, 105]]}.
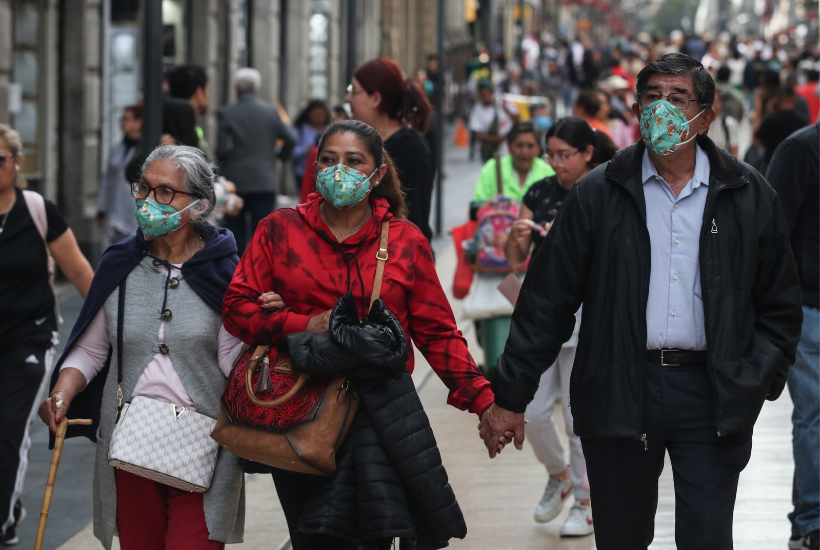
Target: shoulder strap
{"points": [[37, 208], [36, 205], [499, 181], [381, 256], [120, 317]]}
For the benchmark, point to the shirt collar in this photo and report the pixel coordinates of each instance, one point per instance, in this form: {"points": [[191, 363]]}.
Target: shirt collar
{"points": [[702, 168]]}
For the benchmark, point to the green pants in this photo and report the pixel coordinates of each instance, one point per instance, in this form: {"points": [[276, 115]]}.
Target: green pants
{"points": [[492, 336]]}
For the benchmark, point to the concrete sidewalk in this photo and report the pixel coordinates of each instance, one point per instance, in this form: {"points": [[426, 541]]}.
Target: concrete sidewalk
{"points": [[498, 497]]}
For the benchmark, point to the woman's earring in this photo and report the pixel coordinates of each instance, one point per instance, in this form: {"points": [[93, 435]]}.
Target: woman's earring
{"points": [[17, 167]]}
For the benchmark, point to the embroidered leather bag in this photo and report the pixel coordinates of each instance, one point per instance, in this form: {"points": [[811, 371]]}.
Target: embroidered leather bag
{"points": [[273, 415]]}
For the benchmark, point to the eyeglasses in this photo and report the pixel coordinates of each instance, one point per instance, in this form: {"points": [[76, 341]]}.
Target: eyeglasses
{"points": [[353, 91], [679, 100], [162, 193], [560, 158]]}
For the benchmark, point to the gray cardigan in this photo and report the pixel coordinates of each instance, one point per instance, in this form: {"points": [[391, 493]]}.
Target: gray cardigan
{"points": [[191, 337]]}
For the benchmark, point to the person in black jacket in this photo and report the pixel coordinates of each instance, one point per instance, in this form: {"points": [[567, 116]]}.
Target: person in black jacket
{"points": [[680, 254], [794, 172]]}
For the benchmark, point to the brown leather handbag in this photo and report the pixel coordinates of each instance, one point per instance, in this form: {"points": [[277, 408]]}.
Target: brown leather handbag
{"points": [[299, 422]]}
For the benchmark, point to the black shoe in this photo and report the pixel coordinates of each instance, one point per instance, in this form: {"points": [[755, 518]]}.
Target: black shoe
{"points": [[10, 538], [796, 541], [812, 540]]}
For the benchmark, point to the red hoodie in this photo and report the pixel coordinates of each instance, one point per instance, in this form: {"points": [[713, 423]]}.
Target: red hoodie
{"points": [[292, 253]]}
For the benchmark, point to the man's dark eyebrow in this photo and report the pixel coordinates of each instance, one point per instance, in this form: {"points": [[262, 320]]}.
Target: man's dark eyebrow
{"points": [[681, 90]]}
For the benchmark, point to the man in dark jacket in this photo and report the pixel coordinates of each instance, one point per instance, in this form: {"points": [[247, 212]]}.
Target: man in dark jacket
{"points": [[680, 254], [246, 146], [794, 172]]}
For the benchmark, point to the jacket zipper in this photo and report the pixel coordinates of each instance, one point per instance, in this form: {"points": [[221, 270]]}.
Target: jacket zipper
{"points": [[645, 300], [710, 228]]}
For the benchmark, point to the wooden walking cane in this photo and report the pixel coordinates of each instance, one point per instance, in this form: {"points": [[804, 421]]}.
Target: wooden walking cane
{"points": [[52, 475]]}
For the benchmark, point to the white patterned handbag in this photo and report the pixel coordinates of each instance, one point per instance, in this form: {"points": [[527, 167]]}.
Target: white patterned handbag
{"points": [[153, 440]]}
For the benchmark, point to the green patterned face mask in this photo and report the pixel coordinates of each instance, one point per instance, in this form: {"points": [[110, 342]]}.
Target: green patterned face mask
{"points": [[342, 185], [157, 219], [664, 127]]}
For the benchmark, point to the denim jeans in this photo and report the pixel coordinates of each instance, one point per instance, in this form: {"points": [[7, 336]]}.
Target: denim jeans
{"points": [[804, 387]]}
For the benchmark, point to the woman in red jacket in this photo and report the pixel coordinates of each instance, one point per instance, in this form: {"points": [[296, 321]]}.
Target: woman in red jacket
{"points": [[314, 253]]}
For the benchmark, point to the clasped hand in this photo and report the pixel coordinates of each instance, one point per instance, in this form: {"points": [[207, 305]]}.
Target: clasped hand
{"points": [[499, 427]]}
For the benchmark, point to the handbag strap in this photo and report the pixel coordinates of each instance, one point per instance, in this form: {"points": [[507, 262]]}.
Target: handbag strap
{"points": [[381, 256], [120, 316], [499, 179]]}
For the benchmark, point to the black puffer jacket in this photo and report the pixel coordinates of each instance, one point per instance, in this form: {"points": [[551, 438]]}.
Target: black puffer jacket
{"points": [[598, 254], [390, 481]]}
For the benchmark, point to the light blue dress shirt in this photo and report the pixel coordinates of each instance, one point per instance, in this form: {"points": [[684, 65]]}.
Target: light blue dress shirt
{"points": [[674, 312]]}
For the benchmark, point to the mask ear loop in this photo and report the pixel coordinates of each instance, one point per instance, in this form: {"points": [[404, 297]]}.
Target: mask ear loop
{"points": [[678, 146]]}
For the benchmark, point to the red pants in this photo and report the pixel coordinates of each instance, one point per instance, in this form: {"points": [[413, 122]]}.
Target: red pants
{"points": [[153, 516]]}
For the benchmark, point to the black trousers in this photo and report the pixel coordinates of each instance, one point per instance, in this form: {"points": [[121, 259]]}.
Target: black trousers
{"points": [[256, 207], [23, 372], [678, 417], [294, 491]]}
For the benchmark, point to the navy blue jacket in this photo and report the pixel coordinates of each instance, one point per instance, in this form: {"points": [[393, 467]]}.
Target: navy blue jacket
{"points": [[209, 272]]}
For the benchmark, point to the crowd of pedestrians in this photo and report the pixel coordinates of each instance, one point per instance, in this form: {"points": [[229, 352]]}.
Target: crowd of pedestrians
{"points": [[609, 181]]}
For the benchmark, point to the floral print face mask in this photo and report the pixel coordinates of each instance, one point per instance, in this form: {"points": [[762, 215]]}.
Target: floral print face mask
{"points": [[157, 219], [342, 185], [664, 127]]}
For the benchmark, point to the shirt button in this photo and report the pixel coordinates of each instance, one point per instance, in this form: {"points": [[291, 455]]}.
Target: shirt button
{"points": [[173, 283], [674, 313], [675, 277], [167, 315], [163, 349], [676, 206], [677, 241]]}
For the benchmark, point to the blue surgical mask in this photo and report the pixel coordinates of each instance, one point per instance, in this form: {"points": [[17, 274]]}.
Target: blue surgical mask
{"points": [[342, 185], [543, 122]]}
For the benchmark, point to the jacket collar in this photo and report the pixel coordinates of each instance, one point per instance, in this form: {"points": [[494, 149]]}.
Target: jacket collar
{"points": [[625, 167]]}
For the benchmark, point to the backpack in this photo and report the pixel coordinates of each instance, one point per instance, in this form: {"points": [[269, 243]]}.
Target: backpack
{"points": [[494, 219]]}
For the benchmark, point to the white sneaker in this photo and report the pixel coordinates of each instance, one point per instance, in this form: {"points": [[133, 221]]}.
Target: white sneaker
{"points": [[578, 522], [555, 495]]}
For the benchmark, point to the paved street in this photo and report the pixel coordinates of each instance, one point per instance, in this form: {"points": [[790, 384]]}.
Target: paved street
{"points": [[497, 497]]}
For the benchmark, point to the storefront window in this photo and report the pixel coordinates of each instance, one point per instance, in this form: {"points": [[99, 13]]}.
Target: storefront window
{"points": [[25, 73], [318, 51]]}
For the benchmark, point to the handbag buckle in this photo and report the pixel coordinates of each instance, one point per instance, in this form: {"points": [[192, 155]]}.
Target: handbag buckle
{"points": [[381, 255]]}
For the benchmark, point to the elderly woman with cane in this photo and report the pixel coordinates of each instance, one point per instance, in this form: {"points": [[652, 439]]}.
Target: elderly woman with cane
{"points": [[147, 355]]}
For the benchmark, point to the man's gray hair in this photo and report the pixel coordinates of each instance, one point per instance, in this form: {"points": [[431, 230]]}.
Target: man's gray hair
{"points": [[247, 81], [198, 178], [681, 64]]}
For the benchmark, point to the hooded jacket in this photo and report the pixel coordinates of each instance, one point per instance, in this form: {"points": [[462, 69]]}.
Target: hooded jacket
{"points": [[294, 254], [598, 253]]}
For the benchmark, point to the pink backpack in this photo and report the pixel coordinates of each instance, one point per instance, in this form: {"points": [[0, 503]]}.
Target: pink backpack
{"points": [[36, 205]]}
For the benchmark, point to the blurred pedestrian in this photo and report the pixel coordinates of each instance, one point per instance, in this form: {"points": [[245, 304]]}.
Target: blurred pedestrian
{"points": [[543, 122], [340, 113], [246, 148], [308, 128], [783, 121], [174, 350], [115, 205], [33, 237], [732, 101], [335, 237], [617, 130], [725, 130], [190, 82], [490, 121], [640, 245], [571, 145], [309, 179], [587, 106], [794, 173], [399, 110], [522, 167], [810, 91]]}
